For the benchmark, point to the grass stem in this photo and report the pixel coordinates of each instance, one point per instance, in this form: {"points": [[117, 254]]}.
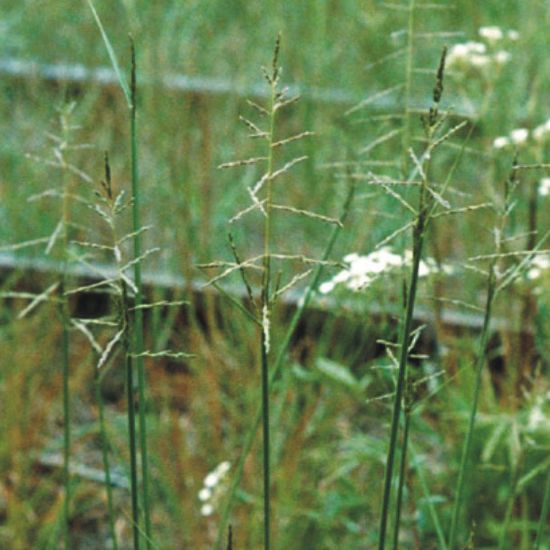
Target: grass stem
{"points": [[132, 440], [266, 307], [276, 368], [66, 415], [105, 459], [402, 474], [404, 354], [421, 221], [65, 324], [138, 320]]}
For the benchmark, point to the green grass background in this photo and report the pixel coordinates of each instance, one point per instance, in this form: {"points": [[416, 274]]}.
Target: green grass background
{"points": [[330, 448]]}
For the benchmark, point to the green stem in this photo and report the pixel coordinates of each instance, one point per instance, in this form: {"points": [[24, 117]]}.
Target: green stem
{"points": [[132, 441], [266, 443], [105, 458], [266, 313], [480, 362], [277, 365], [65, 323], [66, 414], [402, 475], [543, 514], [138, 320], [404, 355]]}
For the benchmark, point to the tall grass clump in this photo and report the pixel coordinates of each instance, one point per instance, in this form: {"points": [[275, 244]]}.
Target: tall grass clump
{"points": [[57, 246], [279, 362], [264, 204], [137, 336], [110, 206], [428, 199], [130, 93], [466, 392], [499, 277]]}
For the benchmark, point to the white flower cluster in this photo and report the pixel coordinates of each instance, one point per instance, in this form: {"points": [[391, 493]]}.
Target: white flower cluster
{"points": [[517, 137], [480, 55], [495, 34], [544, 187], [538, 264], [213, 488], [542, 132], [362, 271]]}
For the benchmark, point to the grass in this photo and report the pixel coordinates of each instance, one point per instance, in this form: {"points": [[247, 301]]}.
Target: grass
{"points": [[348, 388]]}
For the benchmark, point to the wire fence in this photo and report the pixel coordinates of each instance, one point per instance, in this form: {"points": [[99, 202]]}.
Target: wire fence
{"points": [[171, 282], [105, 76]]}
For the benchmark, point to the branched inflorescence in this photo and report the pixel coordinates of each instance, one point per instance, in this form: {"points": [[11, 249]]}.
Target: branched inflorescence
{"points": [[264, 203]]}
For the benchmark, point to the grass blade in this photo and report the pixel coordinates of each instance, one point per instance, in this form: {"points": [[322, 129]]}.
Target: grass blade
{"points": [[112, 56]]}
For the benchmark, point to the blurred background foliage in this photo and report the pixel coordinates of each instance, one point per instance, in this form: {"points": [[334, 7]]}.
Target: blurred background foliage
{"points": [[332, 427]]}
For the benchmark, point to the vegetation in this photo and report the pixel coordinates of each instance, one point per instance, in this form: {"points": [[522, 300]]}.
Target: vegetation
{"points": [[338, 340]]}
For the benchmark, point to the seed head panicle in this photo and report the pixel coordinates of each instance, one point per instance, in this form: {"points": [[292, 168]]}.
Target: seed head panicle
{"points": [[433, 114], [275, 69], [106, 183], [438, 89], [133, 77]]}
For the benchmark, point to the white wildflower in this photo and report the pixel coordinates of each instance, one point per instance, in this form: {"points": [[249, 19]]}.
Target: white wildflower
{"points": [[519, 136], [479, 61], [326, 287], [429, 267], [458, 52], [205, 494], [491, 34], [502, 57], [513, 35], [463, 54], [211, 480], [501, 142], [538, 265], [544, 187], [214, 486], [223, 468], [448, 269], [207, 510], [423, 269], [541, 132], [475, 47], [476, 55], [362, 271]]}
